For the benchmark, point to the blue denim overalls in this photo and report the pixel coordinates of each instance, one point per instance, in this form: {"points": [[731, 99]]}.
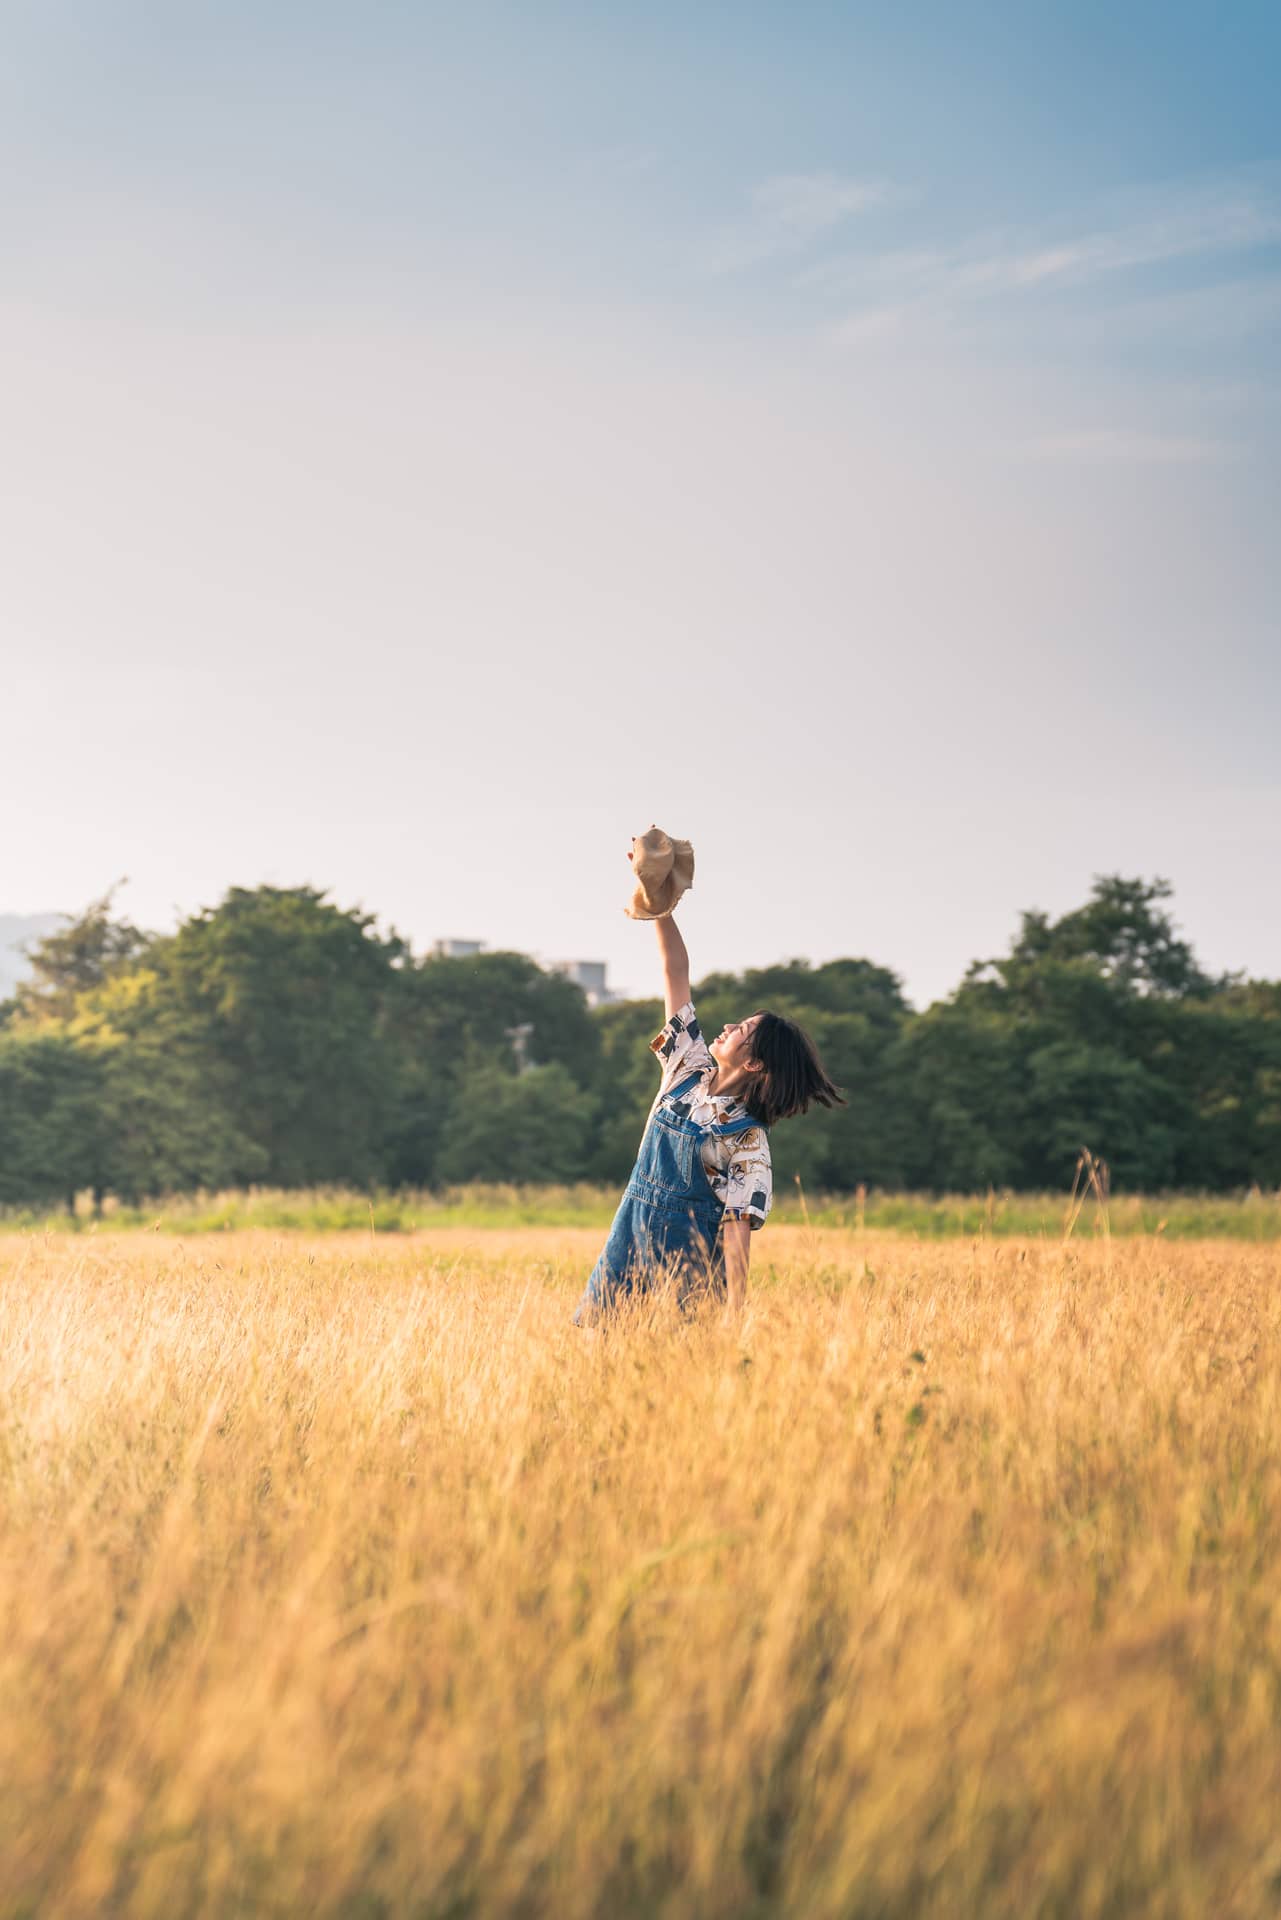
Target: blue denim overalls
{"points": [[668, 1215]]}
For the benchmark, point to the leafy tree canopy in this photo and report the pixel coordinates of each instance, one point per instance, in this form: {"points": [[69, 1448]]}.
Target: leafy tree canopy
{"points": [[89, 950], [278, 1037], [1123, 935], [527, 1127], [838, 986], [284, 996]]}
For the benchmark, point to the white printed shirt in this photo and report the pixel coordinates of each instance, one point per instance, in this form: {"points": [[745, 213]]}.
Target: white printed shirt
{"points": [[737, 1165]]}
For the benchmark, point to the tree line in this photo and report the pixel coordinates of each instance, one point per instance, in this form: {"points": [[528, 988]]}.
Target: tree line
{"points": [[277, 1039]]}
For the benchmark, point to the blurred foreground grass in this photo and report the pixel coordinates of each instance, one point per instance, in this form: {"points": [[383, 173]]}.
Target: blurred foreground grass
{"points": [[1252, 1215], [345, 1578]]}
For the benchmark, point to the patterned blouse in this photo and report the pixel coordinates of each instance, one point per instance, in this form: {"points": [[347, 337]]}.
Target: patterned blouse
{"points": [[738, 1167]]}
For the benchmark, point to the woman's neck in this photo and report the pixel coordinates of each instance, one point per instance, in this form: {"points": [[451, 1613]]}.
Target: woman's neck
{"points": [[728, 1085]]}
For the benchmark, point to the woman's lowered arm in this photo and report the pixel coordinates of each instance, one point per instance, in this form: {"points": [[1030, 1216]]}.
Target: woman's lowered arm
{"points": [[738, 1254], [675, 965]]}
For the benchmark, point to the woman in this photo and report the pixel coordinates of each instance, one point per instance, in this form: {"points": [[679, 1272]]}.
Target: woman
{"points": [[702, 1182]]}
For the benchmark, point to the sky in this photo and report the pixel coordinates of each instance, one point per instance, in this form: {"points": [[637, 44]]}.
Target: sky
{"points": [[437, 442]]}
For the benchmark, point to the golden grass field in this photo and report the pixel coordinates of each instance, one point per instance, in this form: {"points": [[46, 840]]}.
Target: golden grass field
{"points": [[343, 1577]]}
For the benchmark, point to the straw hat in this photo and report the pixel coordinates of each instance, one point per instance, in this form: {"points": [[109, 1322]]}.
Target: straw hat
{"points": [[664, 870]]}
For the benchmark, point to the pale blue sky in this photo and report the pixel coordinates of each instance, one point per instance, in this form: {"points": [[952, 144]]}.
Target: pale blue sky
{"points": [[438, 441]]}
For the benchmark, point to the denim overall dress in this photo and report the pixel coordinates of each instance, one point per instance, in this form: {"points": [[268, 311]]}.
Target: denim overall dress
{"points": [[668, 1217]]}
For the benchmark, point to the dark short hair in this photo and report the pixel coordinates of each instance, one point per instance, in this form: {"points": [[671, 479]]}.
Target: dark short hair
{"points": [[791, 1074]]}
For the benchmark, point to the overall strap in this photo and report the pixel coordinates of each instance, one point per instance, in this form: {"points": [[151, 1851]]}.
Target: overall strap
{"points": [[739, 1126], [674, 1093]]}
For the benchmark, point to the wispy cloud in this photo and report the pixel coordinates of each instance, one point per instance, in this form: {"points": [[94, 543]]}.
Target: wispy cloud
{"points": [[869, 323], [1224, 314], [790, 211], [1128, 235]]}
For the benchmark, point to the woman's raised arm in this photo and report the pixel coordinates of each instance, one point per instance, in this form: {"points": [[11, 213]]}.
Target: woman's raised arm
{"points": [[675, 965]]}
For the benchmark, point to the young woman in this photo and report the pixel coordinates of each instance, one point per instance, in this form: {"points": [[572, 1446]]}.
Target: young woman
{"points": [[702, 1180]]}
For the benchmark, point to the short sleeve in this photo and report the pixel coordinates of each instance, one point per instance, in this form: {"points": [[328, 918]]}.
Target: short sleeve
{"points": [[681, 1048], [749, 1178]]}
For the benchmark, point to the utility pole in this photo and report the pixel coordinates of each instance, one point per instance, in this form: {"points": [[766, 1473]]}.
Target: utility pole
{"points": [[519, 1037]]}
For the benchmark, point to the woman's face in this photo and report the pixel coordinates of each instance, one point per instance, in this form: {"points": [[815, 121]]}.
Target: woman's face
{"points": [[732, 1047]]}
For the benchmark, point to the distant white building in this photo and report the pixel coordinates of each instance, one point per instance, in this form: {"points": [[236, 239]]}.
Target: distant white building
{"points": [[457, 949], [590, 976]]}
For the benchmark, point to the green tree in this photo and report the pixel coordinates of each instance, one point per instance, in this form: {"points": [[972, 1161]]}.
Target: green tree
{"points": [[1097, 1097], [278, 1037], [523, 1127], [1225, 1058], [627, 1078], [959, 1071], [86, 952], [1123, 935], [50, 1093], [1094, 1012], [838, 986], [863, 1142], [446, 1018], [283, 997], [162, 1126]]}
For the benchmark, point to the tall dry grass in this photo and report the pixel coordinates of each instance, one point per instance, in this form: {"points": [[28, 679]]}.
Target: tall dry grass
{"points": [[346, 1578]]}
